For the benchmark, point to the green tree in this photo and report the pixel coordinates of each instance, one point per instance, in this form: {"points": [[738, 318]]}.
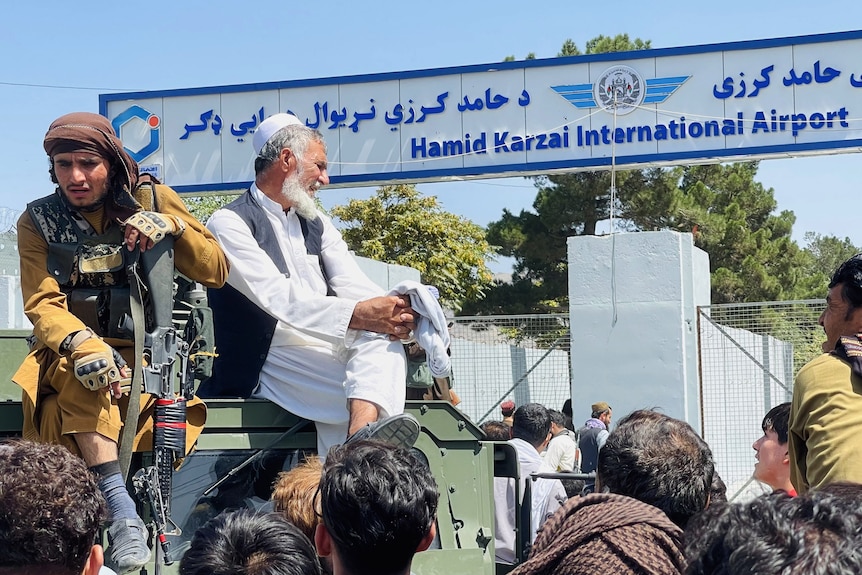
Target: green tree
{"points": [[732, 217], [827, 253], [401, 226], [202, 207]]}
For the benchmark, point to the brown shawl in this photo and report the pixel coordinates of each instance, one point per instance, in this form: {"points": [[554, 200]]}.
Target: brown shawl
{"points": [[606, 533]]}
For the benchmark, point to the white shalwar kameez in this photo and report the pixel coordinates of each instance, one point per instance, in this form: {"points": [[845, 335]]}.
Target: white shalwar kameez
{"points": [[315, 362]]}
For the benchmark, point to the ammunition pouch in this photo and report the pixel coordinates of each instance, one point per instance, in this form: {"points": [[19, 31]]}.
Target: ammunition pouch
{"points": [[106, 311], [200, 335]]}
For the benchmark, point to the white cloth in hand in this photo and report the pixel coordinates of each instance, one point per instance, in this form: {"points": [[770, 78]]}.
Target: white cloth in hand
{"points": [[431, 333]]}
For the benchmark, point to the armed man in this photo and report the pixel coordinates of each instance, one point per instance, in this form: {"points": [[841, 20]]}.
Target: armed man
{"points": [[75, 246]]}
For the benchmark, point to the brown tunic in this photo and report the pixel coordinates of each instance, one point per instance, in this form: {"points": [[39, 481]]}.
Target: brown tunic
{"points": [[55, 403]]}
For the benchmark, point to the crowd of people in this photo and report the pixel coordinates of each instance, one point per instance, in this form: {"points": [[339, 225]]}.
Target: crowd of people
{"points": [[659, 507], [298, 323]]}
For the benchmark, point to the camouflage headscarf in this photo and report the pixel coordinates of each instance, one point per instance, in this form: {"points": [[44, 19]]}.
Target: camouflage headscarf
{"points": [[85, 131]]}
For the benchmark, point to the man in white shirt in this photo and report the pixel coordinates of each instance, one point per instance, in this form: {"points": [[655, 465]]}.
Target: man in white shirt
{"points": [[562, 451], [298, 322], [531, 432]]}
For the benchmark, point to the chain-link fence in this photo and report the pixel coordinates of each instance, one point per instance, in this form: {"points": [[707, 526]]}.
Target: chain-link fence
{"points": [[9, 254], [749, 355], [520, 357]]}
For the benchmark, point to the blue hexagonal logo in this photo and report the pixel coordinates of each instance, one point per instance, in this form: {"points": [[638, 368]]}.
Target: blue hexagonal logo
{"points": [[153, 122]]}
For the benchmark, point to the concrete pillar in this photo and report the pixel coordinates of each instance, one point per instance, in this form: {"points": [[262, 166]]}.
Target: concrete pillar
{"points": [[633, 305]]}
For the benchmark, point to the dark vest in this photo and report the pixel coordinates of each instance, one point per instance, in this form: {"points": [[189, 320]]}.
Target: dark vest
{"points": [[90, 268], [589, 445], [244, 331]]}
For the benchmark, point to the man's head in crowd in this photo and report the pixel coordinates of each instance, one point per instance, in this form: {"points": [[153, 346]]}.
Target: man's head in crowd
{"points": [[658, 460], [249, 543], [532, 423], [773, 459], [507, 408], [603, 412], [379, 505], [776, 534], [293, 494], [558, 421], [496, 430], [843, 312], [88, 161], [50, 512]]}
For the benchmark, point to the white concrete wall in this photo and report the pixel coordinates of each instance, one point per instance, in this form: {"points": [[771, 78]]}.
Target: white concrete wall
{"points": [[633, 308], [386, 275]]}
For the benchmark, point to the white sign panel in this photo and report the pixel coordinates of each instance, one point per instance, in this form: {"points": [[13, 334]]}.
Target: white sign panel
{"points": [[757, 99]]}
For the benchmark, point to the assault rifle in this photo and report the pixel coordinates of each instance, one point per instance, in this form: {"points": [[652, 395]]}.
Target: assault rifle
{"points": [[167, 373]]}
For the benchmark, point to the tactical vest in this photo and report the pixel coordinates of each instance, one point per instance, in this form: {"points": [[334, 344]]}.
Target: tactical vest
{"points": [[89, 267], [244, 331]]}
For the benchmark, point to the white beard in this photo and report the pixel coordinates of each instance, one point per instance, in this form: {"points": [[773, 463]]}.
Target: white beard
{"points": [[299, 198]]}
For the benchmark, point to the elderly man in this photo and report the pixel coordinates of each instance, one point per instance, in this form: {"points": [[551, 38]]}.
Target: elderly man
{"points": [[298, 322], [50, 512], [826, 410], [75, 287]]}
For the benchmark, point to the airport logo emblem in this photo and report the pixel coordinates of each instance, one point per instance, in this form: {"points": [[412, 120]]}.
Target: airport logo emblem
{"points": [[132, 117], [620, 89]]}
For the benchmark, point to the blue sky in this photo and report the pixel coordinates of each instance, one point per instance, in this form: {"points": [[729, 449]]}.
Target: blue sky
{"points": [[105, 46]]}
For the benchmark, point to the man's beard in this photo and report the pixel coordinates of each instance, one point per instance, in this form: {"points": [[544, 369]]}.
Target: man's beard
{"points": [[293, 191]]}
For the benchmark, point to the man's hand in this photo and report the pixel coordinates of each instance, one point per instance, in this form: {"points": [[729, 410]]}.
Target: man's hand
{"points": [[148, 228], [389, 314], [97, 365]]}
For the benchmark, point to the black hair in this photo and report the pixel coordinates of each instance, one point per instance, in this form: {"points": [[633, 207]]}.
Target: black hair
{"points": [[718, 490], [659, 460], [813, 534], [567, 411], [778, 420], [532, 423], [557, 417], [379, 502], [849, 275], [245, 542]]}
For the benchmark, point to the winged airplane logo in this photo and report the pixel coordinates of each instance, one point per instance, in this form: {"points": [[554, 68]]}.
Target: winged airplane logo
{"points": [[622, 88]]}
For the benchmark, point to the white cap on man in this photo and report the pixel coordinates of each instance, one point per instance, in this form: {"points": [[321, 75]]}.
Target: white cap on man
{"points": [[270, 126]]}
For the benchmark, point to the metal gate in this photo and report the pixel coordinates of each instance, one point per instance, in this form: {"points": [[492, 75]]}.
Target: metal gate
{"points": [[749, 355], [520, 357]]}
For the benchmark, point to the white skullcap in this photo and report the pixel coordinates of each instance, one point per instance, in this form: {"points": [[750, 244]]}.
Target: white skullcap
{"points": [[270, 126]]}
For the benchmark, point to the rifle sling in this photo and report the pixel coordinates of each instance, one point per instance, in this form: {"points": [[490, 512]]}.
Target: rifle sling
{"points": [[130, 426]]}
